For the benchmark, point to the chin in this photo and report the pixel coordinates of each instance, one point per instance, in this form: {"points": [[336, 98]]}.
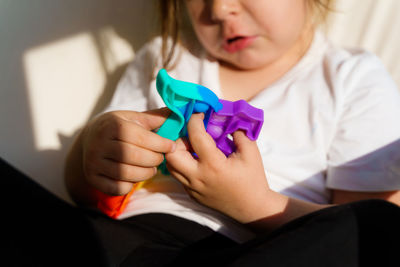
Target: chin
{"points": [[246, 64], [241, 61], [249, 60]]}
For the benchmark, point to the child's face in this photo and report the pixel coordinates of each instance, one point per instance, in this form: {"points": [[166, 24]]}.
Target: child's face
{"points": [[249, 34]]}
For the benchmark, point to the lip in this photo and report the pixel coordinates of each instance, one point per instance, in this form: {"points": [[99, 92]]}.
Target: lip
{"points": [[237, 43]]}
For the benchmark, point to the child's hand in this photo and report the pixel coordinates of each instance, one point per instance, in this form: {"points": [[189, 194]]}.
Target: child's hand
{"points": [[236, 185], [119, 149]]}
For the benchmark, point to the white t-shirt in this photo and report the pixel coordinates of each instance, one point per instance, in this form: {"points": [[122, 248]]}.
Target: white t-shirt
{"points": [[331, 122]]}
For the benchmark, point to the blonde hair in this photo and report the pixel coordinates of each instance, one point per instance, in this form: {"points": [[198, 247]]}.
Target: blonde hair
{"points": [[171, 24], [320, 10]]}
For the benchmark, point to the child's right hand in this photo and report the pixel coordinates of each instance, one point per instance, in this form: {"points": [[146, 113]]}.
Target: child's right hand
{"points": [[119, 149]]}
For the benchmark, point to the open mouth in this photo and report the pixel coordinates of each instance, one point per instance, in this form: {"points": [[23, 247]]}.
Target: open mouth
{"points": [[231, 40], [238, 43]]}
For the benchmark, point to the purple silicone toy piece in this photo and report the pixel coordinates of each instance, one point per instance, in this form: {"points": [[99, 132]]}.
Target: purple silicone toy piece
{"points": [[234, 116]]}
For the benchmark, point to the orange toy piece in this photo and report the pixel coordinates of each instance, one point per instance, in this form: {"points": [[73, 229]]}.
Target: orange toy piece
{"points": [[113, 206]]}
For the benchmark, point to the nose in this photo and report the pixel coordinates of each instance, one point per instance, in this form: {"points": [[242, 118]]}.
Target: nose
{"points": [[222, 9]]}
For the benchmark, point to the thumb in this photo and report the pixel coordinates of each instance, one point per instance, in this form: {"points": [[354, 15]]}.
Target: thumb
{"points": [[244, 145], [153, 119], [150, 119]]}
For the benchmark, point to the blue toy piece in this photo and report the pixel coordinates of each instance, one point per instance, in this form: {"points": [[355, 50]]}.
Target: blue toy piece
{"points": [[183, 99]]}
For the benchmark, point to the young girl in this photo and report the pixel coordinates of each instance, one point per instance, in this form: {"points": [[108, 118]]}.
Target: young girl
{"points": [[330, 136]]}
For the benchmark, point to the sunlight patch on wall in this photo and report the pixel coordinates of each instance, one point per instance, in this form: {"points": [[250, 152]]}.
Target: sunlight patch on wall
{"points": [[64, 80], [117, 50]]}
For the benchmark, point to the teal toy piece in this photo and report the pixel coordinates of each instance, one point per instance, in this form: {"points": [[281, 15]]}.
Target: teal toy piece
{"points": [[183, 99]]}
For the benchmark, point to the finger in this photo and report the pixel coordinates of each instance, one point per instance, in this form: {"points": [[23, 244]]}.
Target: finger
{"points": [[177, 175], [190, 185], [153, 119], [183, 144], [183, 162], [131, 154], [202, 143], [150, 119], [195, 195], [244, 146], [133, 133], [125, 172], [110, 186]]}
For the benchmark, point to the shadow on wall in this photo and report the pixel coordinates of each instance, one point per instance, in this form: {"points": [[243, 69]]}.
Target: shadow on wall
{"points": [[26, 25]]}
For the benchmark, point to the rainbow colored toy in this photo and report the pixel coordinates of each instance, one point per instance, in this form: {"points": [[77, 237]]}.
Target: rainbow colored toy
{"points": [[183, 99], [222, 118]]}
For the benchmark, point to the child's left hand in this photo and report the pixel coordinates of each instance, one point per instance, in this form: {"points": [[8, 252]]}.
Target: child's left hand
{"points": [[236, 185]]}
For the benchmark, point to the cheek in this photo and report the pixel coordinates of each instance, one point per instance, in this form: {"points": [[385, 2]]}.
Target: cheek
{"points": [[208, 36], [284, 22], [206, 32]]}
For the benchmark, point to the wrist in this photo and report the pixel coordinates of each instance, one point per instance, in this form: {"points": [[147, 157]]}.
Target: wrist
{"points": [[267, 205], [279, 210]]}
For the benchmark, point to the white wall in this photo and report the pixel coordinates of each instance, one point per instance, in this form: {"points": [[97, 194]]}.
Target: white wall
{"points": [[60, 61], [371, 24]]}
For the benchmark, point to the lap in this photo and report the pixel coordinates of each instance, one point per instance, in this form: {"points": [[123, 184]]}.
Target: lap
{"points": [[364, 233], [42, 230]]}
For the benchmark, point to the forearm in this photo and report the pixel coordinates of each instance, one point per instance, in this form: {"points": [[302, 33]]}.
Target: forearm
{"points": [[80, 191], [343, 196], [280, 209]]}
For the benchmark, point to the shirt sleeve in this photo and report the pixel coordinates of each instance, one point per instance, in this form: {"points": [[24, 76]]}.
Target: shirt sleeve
{"points": [[132, 92], [364, 154]]}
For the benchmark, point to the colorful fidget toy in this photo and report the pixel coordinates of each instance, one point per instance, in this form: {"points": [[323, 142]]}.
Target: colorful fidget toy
{"points": [[183, 99], [222, 118]]}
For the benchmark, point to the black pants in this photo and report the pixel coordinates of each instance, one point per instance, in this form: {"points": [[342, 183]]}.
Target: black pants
{"points": [[41, 230]]}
